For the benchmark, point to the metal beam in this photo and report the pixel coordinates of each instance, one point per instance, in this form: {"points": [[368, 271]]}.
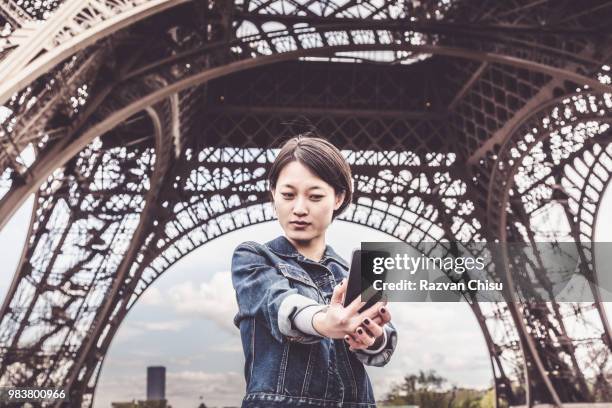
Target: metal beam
{"points": [[23, 67], [164, 141], [336, 112], [467, 86], [62, 152]]}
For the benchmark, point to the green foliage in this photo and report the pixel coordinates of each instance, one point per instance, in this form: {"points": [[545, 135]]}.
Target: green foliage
{"points": [[427, 390]]}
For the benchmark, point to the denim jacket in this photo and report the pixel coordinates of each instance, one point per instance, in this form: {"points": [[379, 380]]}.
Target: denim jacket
{"points": [[285, 367]]}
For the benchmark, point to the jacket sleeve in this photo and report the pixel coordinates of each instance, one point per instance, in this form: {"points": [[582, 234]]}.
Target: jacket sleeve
{"points": [[382, 357], [262, 291]]}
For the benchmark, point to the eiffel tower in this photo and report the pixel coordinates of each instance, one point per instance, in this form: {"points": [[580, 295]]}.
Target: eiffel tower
{"points": [[145, 129]]}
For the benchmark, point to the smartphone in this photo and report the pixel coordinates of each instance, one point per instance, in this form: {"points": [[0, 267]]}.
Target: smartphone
{"points": [[360, 282]]}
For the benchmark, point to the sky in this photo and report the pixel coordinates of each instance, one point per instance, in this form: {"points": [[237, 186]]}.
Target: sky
{"points": [[184, 322]]}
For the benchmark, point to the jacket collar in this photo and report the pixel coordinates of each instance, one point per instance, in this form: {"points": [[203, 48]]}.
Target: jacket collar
{"points": [[283, 247]]}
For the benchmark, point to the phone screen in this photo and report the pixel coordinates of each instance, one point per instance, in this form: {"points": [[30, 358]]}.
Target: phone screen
{"points": [[361, 278]]}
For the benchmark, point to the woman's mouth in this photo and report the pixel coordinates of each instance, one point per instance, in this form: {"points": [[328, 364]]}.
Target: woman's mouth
{"points": [[299, 224]]}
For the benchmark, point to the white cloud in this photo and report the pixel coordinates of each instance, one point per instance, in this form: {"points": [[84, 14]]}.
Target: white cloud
{"points": [[131, 330], [151, 297], [170, 325], [214, 300], [126, 333], [232, 346]]}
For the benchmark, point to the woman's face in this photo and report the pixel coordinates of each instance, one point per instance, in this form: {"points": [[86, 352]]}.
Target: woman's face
{"points": [[304, 202]]}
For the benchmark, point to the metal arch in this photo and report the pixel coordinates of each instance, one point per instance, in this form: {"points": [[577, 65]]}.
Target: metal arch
{"points": [[165, 140], [473, 306], [164, 147], [251, 204], [191, 244], [24, 64], [89, 365], [133, 300], [63, 151], [248, 46], [87, 275], [247, 43], [188, 211], [115, 321], [257, 52], [580, 201], [169, 244], [24, 70], [497, 211], [520, 322], [51, 58], [595, 289], [22, 258], [326, 51], [530, 117]]}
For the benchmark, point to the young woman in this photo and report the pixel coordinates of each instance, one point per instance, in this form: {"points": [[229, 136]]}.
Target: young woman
{"points": [[302, 347]]}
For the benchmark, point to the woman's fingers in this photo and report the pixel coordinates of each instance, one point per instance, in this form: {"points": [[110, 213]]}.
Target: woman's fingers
{"points": [[339, 292], [385, 314], [364, 337], [373, 328], [373, 310], [357, 341], [353, 344]]}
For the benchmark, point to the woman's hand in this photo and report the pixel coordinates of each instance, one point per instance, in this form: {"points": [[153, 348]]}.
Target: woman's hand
{"points": [[370, 332], [339, 321]]}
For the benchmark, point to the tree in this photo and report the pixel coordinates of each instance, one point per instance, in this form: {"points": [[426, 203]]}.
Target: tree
{"points": [[423, 389], [427, 390]]}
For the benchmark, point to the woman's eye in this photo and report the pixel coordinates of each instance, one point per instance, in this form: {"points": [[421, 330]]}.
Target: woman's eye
{"points": [[316, 197], [287, 195]]}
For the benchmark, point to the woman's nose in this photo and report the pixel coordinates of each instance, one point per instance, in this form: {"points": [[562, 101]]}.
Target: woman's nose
{"points": [[300, 207]]}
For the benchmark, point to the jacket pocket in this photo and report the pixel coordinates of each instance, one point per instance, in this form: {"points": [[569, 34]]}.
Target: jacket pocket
{"points": [[297, 274], [305, 285]]}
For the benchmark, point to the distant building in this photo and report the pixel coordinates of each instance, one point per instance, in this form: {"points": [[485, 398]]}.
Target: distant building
{"points": [[156, 383], [156, 391]]}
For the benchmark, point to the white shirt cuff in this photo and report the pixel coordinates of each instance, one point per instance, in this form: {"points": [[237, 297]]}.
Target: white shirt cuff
{"points": [[303, 319]]}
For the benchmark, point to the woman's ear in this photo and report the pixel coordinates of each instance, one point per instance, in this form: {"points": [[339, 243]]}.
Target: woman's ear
{"points": [[339, 200]]}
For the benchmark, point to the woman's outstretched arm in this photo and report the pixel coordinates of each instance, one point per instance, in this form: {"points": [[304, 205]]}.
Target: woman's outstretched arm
{"points": [[262, 289]]}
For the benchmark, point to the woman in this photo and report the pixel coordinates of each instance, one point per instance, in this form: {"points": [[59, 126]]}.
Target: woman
{"points": [[302, 347]]}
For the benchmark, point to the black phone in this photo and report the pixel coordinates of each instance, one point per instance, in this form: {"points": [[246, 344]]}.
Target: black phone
{"points": [[360, 284]]}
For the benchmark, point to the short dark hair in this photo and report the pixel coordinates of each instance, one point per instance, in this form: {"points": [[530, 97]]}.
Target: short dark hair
{"points": [[322, 158]]}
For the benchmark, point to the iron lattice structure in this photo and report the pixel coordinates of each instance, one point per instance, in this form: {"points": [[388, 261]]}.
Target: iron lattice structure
{"points": [[144, 128]]}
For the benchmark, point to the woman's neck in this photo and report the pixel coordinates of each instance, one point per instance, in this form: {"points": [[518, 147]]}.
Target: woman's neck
{"points": [[312, 249]]}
